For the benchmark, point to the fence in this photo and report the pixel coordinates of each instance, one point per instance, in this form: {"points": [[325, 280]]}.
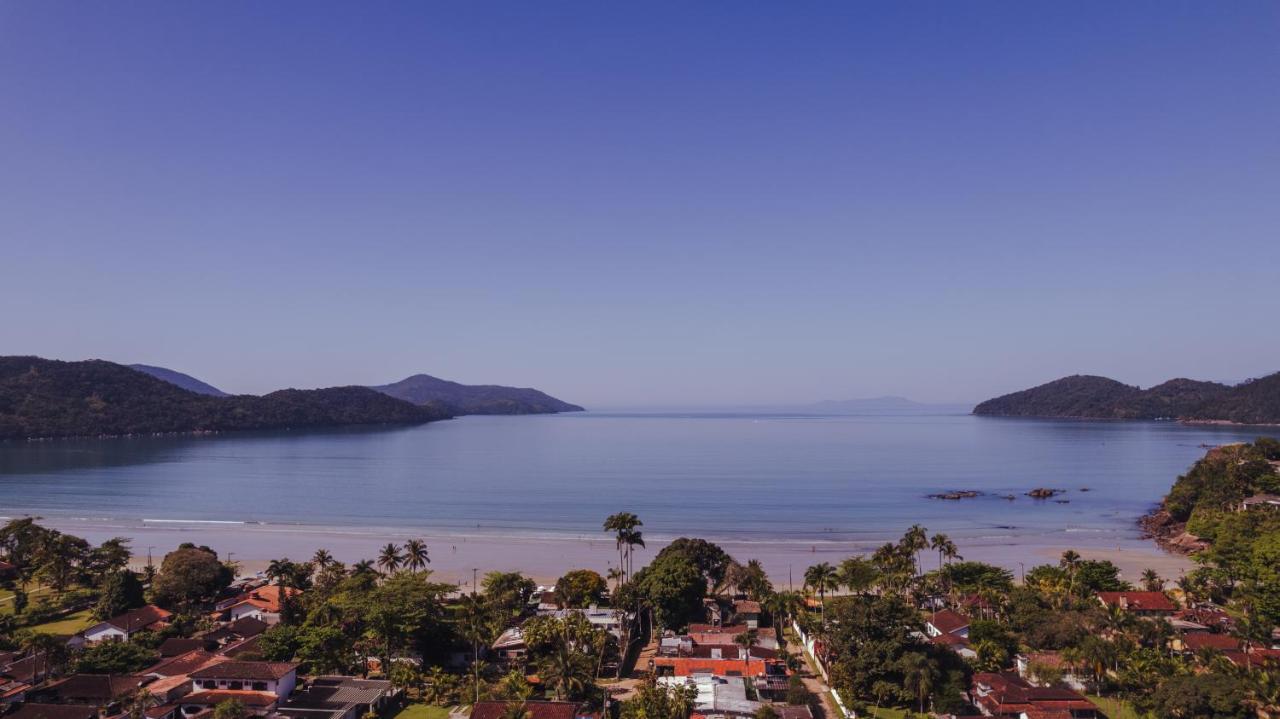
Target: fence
{"points": [[822, 670]]}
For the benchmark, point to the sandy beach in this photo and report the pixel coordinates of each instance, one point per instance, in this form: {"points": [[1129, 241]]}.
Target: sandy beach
{"points": [[455, 555]]}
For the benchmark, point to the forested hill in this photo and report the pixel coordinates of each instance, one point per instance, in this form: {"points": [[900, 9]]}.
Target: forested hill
{"points": [[185, 381], [476, 398], [1090, 397], [49, 398]]}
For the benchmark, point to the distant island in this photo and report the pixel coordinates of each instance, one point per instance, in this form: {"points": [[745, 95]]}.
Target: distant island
{"points": [[185, 381], [41, 398], [475, 399], [1255, 401]]}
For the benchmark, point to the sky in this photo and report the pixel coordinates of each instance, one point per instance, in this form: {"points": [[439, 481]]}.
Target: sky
{"points": [[639, 204]]}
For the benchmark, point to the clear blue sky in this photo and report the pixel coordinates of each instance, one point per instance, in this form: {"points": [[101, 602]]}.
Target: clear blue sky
{"points": [[645, 203]]}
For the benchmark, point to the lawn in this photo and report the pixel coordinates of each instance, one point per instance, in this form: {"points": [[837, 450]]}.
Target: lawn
{"points": [[73, 623], [885, 713], [1115, 708], [423, 711]]}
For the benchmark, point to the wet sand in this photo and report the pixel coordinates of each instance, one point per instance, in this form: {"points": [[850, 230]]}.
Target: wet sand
{"points": [[454, 555]]}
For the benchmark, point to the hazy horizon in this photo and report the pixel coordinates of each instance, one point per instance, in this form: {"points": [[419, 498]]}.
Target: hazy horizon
{"points": [[704, 205]]}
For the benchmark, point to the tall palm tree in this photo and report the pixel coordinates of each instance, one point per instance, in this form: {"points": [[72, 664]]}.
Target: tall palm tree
{"points": [[915, 541], [821, 577], [918, 673], [626, 536], [1151, 581], [416, 557], [322, 558], [390, 558], [567, 670], [937, 543], [745, 641], [1070, 561]]}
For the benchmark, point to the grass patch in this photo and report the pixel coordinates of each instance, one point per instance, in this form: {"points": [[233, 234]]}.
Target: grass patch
{"points": [[884, 713], [71, 624], [423, 711], [1116, 708]]}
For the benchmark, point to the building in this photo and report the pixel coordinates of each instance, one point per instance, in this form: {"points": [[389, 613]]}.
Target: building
{"points": [[947, 622], [263, 603], [99, 690], [1033, 666], [1259, 501], [716, 696], [278, 678], [747, 612], [1146, 604], [338, 698], [1009, 695], [509, 648], [53, 711], [599, 617], [255, 703], [120, 628]]}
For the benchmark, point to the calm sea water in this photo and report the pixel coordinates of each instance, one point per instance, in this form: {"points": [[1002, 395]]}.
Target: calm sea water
{"points": [[741, 476]]}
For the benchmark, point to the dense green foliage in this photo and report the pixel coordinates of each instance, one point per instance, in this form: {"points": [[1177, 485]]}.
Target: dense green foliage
{"points": [[1084, 396], [47, 398], [114, 658], [475, 399], [189, 575]]}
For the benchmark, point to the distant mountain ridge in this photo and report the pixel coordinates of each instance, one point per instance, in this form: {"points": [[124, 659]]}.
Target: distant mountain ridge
{"points": [[1091, 397], [890, 404], [475, 399], [185, 381], [41, 398]]}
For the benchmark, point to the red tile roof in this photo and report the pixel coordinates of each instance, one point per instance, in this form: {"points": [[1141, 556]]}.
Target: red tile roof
{"points": [[247, 698], [138, 619], [268, 598], [53, 711], [948, 622], [684, 666], [184, 664], [259, 671], [1009, 694], [1196, 641]]}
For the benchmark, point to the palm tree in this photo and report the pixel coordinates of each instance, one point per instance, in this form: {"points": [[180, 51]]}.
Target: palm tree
{"points": [[390, 558], [917, 676], [623, 525], [415, 555], [937, 543], [322, 558], [1070, 561], [1151, 581], [915, 541], [821, 577], [745, 641], [566, 669]]}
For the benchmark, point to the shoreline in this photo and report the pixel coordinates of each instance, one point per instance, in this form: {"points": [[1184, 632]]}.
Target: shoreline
{"points": [[454, 555]]}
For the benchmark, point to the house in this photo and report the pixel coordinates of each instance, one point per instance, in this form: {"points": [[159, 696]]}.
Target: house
{"points": [[956, 643], [1147, 604], [947, 622], [1035, 665], [747, 612], [599, 617], [176, 646], [31, 710], [509, 647], [533, 710], [278, 678], [1259, 501], [792, 711], [263, 603], [1009, 695], [148, 618], [173, 675], [255, 703], [12, 691], [1200, 641], [716, 696], [338, 698], [99, 690]]}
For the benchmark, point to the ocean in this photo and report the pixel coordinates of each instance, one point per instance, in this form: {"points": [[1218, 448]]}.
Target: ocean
{"points": [[748, 478]]}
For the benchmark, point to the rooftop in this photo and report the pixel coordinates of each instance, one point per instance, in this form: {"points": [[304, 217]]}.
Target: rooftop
{"points": [[233, 669]]}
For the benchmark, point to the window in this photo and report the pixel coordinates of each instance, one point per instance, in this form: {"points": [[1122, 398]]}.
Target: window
{"points": [[260, 686], [236, 686]]}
